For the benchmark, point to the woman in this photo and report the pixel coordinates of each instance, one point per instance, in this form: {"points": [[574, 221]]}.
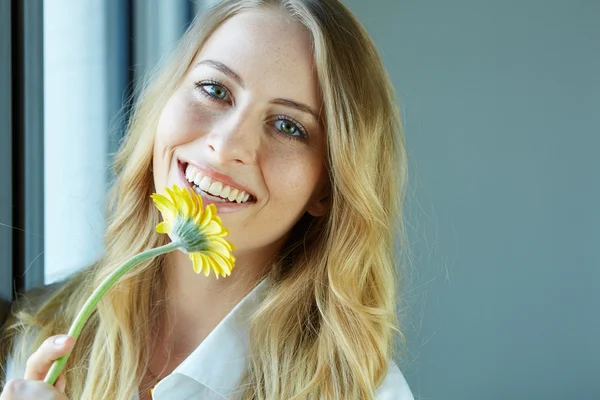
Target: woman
{"points": [[281, 114]]}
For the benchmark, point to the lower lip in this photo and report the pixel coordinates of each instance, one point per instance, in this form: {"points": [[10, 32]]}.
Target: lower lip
{"points": [[222, 207]]}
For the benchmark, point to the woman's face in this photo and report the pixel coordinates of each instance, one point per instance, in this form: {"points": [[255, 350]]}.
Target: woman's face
{"points": [[242, 129]]}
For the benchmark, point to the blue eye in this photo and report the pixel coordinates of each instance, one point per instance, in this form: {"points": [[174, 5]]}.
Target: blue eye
{"points": [[213, 90], [289, 127], [216, 91]]}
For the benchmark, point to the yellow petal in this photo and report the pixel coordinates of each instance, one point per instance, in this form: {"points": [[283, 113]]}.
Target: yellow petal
{"points": [[176, 199], [220, 247], [191, 199], [213, 210], [165, 206], [197, 200], [163, 227], [205, 217], [200, 202], [225, 266], [196, 226], [197, 262], [207, 265], [186, 202], [213, 228], [225, 242], [214, 265]]}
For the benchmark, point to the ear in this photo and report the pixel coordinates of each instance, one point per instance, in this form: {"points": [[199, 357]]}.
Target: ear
{"points": [[320, 203]]}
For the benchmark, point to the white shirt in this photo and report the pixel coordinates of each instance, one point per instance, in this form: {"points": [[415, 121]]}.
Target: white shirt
{"points": [[215, 368]]}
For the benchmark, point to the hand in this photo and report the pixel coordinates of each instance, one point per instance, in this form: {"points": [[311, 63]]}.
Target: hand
{"points": [[33, 386]]}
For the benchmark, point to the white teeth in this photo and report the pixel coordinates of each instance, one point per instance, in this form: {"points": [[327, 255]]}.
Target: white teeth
{"points": [[240, 197], [196, 179], [204, 183], [225, 192], [233, 194], [215, 187]]}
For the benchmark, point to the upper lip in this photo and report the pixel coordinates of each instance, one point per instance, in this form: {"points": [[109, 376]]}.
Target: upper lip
{"points": [[219, 176]]}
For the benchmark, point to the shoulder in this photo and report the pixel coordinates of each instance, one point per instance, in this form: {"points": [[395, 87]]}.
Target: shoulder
{"points": [[394, 386]]}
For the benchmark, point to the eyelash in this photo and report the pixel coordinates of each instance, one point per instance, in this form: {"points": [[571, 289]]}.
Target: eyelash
{"points": [[201, 84], [303, 134], [281, 117]]}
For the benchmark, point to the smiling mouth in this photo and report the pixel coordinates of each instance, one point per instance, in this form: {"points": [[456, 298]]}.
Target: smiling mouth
{"points": [[212, 188]]}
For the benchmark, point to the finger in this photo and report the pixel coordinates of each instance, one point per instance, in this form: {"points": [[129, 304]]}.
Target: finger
{"points": [[40, 362], [61, 383], [20, 389]]}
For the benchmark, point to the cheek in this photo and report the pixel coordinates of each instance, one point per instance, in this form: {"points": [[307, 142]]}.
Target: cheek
{"points": [[172, 130], [292, 177], [183, 120], [174, 124]]}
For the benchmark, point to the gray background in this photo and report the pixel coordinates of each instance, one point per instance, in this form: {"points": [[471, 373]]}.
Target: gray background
{"points": [[501, 106]]}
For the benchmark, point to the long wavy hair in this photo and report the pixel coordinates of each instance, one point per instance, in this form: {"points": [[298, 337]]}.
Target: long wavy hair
{"points": [[326, 329]]}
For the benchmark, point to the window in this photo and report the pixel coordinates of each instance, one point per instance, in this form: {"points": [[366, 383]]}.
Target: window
{"points": [[66, 79]]}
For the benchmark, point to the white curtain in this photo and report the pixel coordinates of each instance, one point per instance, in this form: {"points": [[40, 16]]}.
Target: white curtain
{"points": [[87, 59]]}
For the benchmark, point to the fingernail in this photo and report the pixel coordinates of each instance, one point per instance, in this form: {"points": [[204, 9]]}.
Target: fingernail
{"points": [[60, 340]]}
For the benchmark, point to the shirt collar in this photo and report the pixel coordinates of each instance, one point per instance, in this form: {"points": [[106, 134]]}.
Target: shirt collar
{"points": [[221, 360]]}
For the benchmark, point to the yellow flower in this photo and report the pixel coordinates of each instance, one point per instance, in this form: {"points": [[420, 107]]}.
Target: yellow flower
{"points": [[200, 232]]}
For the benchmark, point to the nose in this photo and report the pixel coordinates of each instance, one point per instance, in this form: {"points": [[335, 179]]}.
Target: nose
{"points": [[235, 138]]}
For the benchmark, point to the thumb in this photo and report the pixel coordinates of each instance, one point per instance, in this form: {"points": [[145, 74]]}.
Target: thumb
{"points": [[61, 383]]}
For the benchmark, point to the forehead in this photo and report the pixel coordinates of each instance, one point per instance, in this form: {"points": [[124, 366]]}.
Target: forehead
{"points": [[267, 49]]}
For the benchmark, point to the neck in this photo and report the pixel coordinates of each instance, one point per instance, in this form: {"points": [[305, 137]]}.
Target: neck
{"points": [[196, 304]]}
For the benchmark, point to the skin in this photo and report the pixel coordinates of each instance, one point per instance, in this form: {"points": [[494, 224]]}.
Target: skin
{"points": [[242, 136], [236, 129], [38, 364]]}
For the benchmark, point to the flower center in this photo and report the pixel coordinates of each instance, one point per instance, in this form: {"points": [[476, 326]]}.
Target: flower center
{"points": [[185, 230]]}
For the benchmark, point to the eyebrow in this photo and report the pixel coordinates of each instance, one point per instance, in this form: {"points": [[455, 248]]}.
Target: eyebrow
{"points": [[297, 106], [224, 69], [238, 79]]}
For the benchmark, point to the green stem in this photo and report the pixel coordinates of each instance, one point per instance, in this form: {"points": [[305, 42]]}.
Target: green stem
{"points": [[92, 301]]}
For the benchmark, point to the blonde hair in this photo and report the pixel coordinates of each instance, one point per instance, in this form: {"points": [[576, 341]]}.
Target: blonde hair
{"points": [[326, 329]]}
